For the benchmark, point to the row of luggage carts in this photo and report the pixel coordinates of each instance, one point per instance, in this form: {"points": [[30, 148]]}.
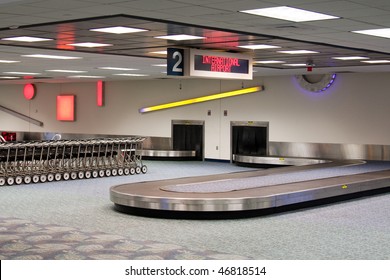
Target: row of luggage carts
{"points": [[55, 160]]}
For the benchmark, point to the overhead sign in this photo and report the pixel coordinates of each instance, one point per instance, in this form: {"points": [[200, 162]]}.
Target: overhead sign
{"points": [[175, 62], [220, 65]]}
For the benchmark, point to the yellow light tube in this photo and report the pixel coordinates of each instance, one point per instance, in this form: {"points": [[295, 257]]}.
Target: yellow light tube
{"points": [[201, 99]]}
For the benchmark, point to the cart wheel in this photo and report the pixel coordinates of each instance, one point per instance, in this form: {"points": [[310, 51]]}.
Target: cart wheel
{"points": [[73, 175], [87, 174], [138, 170], [102, 173], [114, 172], [144, 169], [132, 170], [120, 171], [2, 181], [35, 178], [80, 174], [43, 178], [50, 177], [66, 176], [10, 181], [27, 179], [95, 173], [108, 172], [126, 171], [18, 180], [57, 176]]}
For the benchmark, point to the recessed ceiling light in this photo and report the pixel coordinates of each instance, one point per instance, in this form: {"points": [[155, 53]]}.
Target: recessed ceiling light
{"points": [[179, 37], [259, 47], [27, 39], [89, 45], [118, 30], [66, 71], [117, 68], [51, 56], [160, 52], [296, 64], [88, 77], [21, 73], [350, 57], [376, 61], [381, 32], [297, 52], [8, 61], [289, 13], [270, 61], [131, 75]]}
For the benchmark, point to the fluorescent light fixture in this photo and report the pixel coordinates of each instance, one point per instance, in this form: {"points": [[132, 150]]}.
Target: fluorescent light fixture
{"points": [[117, 68], [89, 45], [131, 75], [179, 37], [86, 76], [118, 30], [8, 61], [350, 57], [66, 71], [269, 61], [22, 73], [381, 32], [289, 13], [259, 47], [297, 52], [160, 52], [376, 61], [27, 39], [160, 65], [51, 56], [296, 64], [8, 77], [201, 99]]}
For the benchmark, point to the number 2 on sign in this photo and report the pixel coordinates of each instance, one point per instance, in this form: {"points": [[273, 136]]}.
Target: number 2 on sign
{"points": [[176, 66]]}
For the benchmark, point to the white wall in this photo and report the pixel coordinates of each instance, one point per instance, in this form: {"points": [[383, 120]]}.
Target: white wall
{"points": [[354, 110]]}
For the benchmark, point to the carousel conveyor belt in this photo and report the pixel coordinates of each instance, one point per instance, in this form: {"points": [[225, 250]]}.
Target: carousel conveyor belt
{"points": [[252, 192]]}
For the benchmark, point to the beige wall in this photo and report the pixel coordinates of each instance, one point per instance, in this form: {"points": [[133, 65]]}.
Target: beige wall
{"points": [[354, 110]]}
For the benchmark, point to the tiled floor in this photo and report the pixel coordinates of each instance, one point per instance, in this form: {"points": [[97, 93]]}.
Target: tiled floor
{"points": [[76, 220]]}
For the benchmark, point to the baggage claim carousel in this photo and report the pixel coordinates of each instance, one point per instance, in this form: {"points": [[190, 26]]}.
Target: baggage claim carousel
{"points": [[299, 183]]}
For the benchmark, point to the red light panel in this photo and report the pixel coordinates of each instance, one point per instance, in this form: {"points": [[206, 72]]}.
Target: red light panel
{"points": [[99, 93], [29, 91], [65, 108]]}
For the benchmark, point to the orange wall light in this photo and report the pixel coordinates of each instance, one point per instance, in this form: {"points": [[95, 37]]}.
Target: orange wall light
{"points": [[100, 93], [29, 91], [65, 107]]}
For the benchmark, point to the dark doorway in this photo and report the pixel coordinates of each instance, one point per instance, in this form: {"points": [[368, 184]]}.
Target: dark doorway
{"points": [[188, 136], [249, 138]]}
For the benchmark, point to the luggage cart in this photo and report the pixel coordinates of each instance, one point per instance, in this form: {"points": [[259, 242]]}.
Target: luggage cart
{"points": [[55, 160]]}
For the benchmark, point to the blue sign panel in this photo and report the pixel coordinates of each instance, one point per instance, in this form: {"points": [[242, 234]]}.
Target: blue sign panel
{"points": [[175, 62]]}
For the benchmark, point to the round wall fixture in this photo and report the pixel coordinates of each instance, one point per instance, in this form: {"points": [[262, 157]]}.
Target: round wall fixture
{"points": [[29, 91], [319, 85]]}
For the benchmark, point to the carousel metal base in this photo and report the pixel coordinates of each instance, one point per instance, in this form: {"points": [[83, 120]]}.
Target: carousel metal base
{"points": [[175, 199]]}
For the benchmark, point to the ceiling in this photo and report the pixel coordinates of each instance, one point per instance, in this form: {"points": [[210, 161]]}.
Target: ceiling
{"points": [[219, 22]]}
